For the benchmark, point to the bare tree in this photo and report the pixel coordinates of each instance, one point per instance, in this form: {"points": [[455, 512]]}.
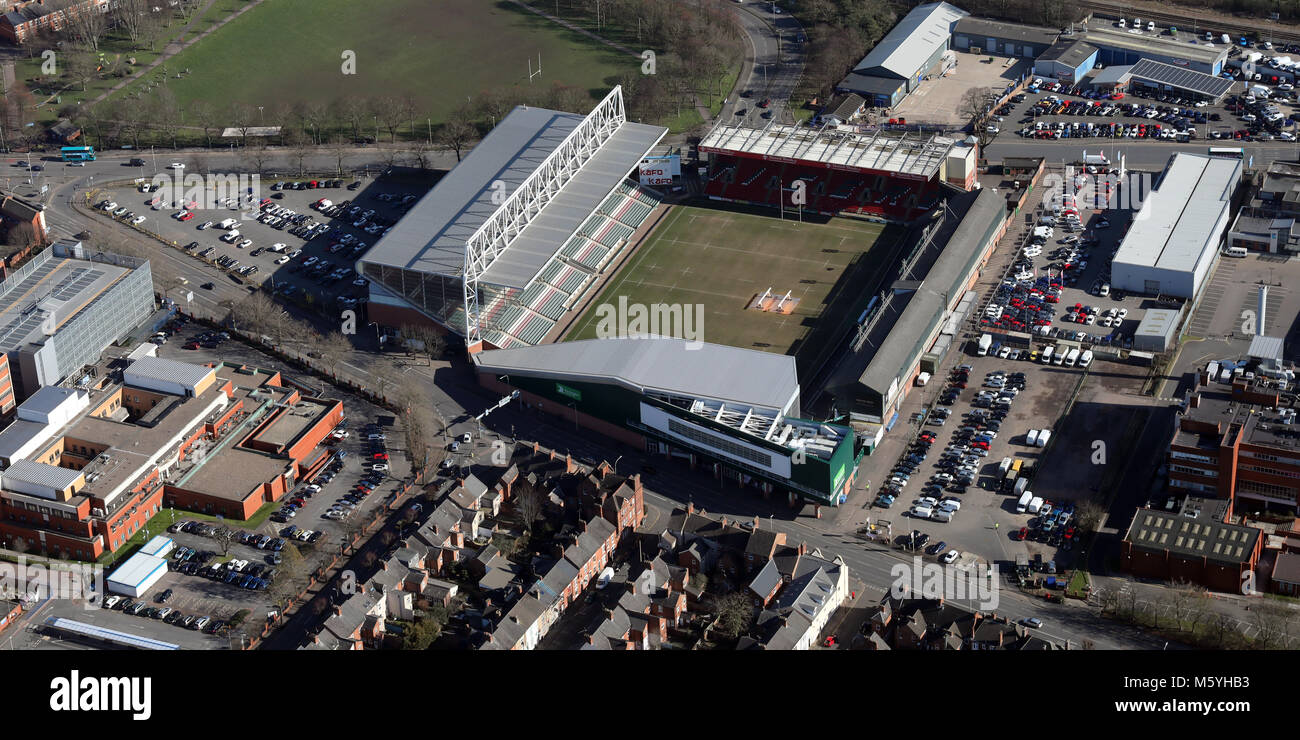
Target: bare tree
{"points": [[132, 16], [528, 503], [424, 341], [421, 154], [299, 147], [457, 133], [1272, 623], [167, 114], [256, 156], [225, 538], [242, 117], [339, 150], [351, 110], [79, 65], [87, 26], [203, 114], [333, 347]]}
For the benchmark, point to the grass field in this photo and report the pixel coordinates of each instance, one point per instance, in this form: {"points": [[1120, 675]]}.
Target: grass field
{"points": [[723, 259], [440, 53]]}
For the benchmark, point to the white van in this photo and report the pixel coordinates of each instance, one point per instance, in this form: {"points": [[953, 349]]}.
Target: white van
{"points": [[1235, 252], [227, 224], [1085, 359], [1047, 354], [1004, 466], [941, 516], [1072, 358], [922, 512], [230, 236], [1059, 357], [1031, 438], [1043, 436], [1023, 503], [1021, 485], [1105, 290], [1035, 504]]}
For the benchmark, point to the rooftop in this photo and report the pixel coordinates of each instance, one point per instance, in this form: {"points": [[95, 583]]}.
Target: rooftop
{"points": [[1193, 537], [915, 154], [1002, 30], [433, 235], [46, 293], [1181, 77], [920, 33], [1070, 52], [1116, 38], [169, 371], [1173, 229]]}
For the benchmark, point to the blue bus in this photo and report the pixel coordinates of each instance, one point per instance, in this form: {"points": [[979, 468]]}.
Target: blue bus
{"points": [[78, 153]]}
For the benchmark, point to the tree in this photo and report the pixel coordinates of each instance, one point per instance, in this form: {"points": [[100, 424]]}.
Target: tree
{"points": [[242, 117], [225, 537], [735, 614], [256, 156], [528, 503], [21, 234], [333, 347], [1088, 515], [457, 132], [291, 576], [87, 27], [203, 114], [975, 105], [79, 65], [132, 16], [167, 114], [421, 154], [1272, 623], [423, 340], [339, 150], [351, 110], [299, 149], [421, 634]]}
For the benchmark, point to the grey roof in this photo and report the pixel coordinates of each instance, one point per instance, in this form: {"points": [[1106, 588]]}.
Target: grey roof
{"points": [[1113, 75], [17, 434], [987, 28], [169, 371], [49, 286], [1069, 52], [868, 85], [1147, 44], [1181, 77], [663, 365], [1286, 568], [48, 398], [844, 107], [1157, 322], [137, 568], [945, 277], [1265, 348], [1172, 230], [1157, 530], [766, 579], [905, 48], [432, 236], [40, 474]]}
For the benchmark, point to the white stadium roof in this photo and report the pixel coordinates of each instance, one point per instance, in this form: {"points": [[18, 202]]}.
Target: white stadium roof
{"points": [[432, 236], [919, 155]]}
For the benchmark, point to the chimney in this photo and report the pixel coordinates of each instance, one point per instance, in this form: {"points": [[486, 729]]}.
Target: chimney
{"points": [[725, 522], [1194, 402], [690, 507], [803, 548], [756, 521], [1260, 309], [591, 639], [582, 525], [338, 610], [559, 551]]}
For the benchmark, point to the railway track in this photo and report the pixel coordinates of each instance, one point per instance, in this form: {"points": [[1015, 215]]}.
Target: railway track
{"points": [[1187, 19]]}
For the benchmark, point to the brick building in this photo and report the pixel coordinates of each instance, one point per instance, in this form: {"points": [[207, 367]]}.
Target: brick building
{"points": [[23, 21]]}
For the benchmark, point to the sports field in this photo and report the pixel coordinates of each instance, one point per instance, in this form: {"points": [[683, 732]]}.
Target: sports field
{"points": [[440, 53], [723, 259]]}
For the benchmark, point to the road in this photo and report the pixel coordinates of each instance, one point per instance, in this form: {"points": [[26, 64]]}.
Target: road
{"points": [[775, 70], [1141, 155]]}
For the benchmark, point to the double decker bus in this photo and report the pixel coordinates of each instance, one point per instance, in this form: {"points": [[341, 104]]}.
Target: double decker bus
{"points": [[78, 153]]}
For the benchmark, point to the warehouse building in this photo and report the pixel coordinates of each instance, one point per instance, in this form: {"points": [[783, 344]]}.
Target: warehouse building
{"points": [[1154, 76], [984, 36], [61, 309], [1066, 60], [918, 46], [137, 575], [1158, 330], [1174, 240], [731, 411], [1118, 47]]}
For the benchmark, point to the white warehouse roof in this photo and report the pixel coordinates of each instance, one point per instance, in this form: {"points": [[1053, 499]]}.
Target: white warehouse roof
{"points": [[137, 570], [905, 48], [156, 369], [1174, 226], [39, 474]]}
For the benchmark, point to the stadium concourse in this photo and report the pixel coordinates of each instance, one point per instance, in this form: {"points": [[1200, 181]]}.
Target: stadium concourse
{"points": [[515, 236], [885, 176]]}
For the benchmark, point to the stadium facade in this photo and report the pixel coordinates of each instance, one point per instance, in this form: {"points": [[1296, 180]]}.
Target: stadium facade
{"points": [[732, 411], [515, 236], [883, 176]]}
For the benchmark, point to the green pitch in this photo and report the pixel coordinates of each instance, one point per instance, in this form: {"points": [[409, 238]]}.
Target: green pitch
{"points": [[723, 259], [439, 52]]}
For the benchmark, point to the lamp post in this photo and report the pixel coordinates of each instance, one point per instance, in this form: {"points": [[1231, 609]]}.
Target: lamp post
{"points": [[620, 457]]}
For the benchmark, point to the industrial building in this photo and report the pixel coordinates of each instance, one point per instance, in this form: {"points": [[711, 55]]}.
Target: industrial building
{"points": [[733, 411], [1068, 60], [137, 575], [85, 466], [60, 310], [1174, 239], [1119, 46], [984, 36], [1158, 330], [918, 46], [1155, 76], [871, 383]]}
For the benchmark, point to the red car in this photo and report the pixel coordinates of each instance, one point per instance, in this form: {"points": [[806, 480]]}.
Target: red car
{"points": [[187, 217], [1022, 534], [379, 456]]}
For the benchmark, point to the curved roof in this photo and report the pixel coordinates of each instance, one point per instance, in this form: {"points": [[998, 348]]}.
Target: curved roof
{"points": [[919, 35]]}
